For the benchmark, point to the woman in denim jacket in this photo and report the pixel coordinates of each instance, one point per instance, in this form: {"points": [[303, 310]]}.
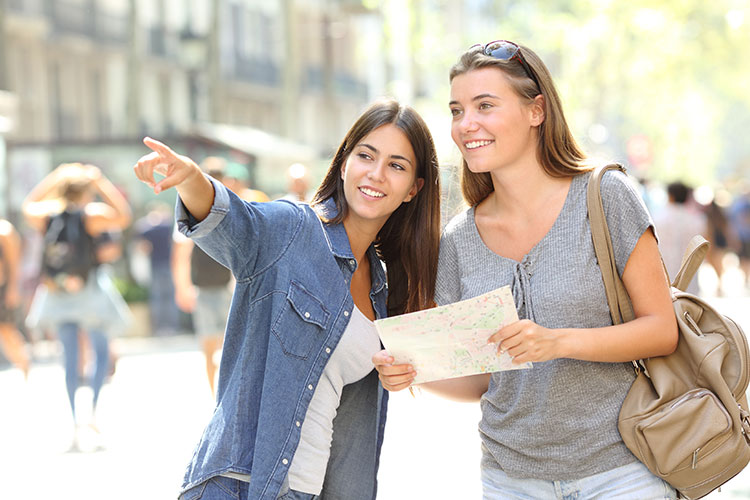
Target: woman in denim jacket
{"points": [[300, 413]]}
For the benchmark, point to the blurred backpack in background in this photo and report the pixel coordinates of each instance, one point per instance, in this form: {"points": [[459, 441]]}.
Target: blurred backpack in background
{"points": [[68, 251]]}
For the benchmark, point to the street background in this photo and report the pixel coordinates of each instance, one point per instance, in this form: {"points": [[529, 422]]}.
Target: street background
{"points": [[658, 85]]}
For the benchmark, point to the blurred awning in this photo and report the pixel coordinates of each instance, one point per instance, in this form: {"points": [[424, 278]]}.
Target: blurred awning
{"points": [[267, 148]]}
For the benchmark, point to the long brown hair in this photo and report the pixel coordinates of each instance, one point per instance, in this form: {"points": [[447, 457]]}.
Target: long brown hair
{"points": [[408, 241], [557, 150]]}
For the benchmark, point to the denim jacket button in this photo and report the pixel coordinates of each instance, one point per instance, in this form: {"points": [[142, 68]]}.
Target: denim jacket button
{"points": [[307, 314], [297, 423], [328, 350], [346, 313], [353, 262], [310, 387], [285, 461]]}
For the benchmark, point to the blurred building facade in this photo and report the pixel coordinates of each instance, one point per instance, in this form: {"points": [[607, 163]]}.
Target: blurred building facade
{"points": [[92, 77]]}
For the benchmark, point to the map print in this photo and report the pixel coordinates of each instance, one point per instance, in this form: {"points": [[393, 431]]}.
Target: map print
{"points": [[451, 341]]}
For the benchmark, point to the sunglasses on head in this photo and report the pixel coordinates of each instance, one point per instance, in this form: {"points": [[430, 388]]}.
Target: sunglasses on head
{"points": [[507, 51]]}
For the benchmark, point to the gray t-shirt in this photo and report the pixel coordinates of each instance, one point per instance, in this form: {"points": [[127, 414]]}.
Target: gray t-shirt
{"points": [[557, 420]]}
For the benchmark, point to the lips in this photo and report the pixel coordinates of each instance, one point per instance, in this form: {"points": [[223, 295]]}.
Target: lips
{"points": [[477, 144], [372, 193]]}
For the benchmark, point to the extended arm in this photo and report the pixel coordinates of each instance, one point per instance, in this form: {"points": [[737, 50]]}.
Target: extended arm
{"points": [[180, 172], [41, 202], [114, 213]]}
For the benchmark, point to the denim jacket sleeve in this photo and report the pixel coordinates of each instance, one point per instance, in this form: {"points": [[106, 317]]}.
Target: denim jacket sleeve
{"points": [[246, 237]]}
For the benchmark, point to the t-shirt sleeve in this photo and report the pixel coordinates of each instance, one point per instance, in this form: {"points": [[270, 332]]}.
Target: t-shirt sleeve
{"points": [[448, 283], [626, 213]]}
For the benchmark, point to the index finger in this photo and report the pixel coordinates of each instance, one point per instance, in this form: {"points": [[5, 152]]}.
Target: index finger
{"points": [[504, 333], [159, 147]]}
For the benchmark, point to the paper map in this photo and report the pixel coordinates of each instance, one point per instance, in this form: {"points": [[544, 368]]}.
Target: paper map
{"points": [[451, 341]]}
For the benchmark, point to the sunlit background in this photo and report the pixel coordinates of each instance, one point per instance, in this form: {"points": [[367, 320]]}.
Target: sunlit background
{"points": [[659, 86]]}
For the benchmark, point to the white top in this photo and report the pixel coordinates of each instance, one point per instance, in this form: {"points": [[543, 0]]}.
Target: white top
{"points": [[350, 361]]}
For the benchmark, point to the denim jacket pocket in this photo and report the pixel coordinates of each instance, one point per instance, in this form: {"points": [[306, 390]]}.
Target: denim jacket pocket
{"points": [[300, 324]]}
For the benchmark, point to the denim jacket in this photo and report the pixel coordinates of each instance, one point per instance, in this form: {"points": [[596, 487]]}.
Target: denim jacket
{"points": [[291, 304]]}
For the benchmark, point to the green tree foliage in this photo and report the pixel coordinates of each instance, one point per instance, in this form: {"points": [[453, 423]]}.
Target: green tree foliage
{"points": [[673, 71]]}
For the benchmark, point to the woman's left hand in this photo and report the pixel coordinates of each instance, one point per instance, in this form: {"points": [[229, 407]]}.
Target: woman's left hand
{"points": [[525, 341]]}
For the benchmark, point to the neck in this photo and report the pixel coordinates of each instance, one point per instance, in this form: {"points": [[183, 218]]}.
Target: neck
{"points": [[360, 237]]}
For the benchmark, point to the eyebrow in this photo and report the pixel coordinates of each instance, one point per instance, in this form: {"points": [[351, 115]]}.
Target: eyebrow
{"points": [[476, 98], [375, 150]]}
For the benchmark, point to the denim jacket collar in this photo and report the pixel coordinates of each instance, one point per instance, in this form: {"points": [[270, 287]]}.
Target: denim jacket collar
{"points": [[338, 242]]}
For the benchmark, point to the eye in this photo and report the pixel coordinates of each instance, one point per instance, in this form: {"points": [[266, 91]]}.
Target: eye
{"points": [[455, 111], [364, 156], [485, 105], [397, 166]]}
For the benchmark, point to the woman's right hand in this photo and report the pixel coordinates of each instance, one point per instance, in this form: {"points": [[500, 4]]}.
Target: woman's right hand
{"points": [[175, 168], [393, 377]]}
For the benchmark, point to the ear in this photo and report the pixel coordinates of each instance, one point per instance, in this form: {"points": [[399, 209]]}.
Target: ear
{"points": [[537, 114], [415, 188]]}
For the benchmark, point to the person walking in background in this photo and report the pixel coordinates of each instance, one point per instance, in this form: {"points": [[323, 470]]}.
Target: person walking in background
{"points": [[64, 208], [12, 342], [676, 224], [739, 216], [237, 179], [720, 235], [524, 178], [300, 413], [297, 183], [154, 235], [204, 287]]}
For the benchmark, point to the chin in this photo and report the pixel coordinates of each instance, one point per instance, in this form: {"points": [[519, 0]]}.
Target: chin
{"points": [[479, 167]]}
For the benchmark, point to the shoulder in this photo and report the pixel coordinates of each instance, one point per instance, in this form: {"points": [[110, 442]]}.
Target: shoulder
{"points": [[459, 223], [283, 211], [615, 181]]}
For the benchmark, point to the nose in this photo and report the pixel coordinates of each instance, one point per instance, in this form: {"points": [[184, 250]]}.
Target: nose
{"points": [[467, 123], [377, 172]]}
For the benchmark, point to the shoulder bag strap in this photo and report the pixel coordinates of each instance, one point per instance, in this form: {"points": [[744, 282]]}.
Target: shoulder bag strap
{"points": [[617, 297], [691, 261]]}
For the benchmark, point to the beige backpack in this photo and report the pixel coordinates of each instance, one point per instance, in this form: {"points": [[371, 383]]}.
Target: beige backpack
{"points": [[686, 415]]}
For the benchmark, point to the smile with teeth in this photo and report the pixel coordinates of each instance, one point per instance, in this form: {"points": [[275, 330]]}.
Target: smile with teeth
{"points": [[371, 192], [477, 144]]}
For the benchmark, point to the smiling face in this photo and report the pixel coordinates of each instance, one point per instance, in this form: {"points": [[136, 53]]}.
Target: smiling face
{"points": [[492, 126], [379, 174]]}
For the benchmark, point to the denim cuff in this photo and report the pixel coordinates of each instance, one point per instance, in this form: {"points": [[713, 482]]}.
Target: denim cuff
{"points": [[190, 226]]}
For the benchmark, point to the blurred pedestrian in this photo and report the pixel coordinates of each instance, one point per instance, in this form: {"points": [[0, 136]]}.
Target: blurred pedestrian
{"points": [[300, 413], [721, 236], [525, 180], [203, 287], [676, 224], [739, 216], [154, 235], [237, 179], [12, 341], [64, 207], [297, 183]]}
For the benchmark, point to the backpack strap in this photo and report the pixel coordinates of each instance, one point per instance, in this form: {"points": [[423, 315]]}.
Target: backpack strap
{"points": [[620, 307], [691, 261]]}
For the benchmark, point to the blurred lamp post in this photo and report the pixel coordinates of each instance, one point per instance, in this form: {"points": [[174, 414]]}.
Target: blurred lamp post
{"points": [[193, 53]]}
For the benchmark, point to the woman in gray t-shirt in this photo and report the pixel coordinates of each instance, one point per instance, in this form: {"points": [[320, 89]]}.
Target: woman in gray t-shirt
{"points": [[550, 430]]}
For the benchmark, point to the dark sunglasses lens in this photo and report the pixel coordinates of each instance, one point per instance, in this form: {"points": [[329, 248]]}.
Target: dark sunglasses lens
{"points": [[501, 50]]}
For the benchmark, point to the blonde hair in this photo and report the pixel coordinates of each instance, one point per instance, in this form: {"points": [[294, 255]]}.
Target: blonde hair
{"points": [[557, 149]]}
